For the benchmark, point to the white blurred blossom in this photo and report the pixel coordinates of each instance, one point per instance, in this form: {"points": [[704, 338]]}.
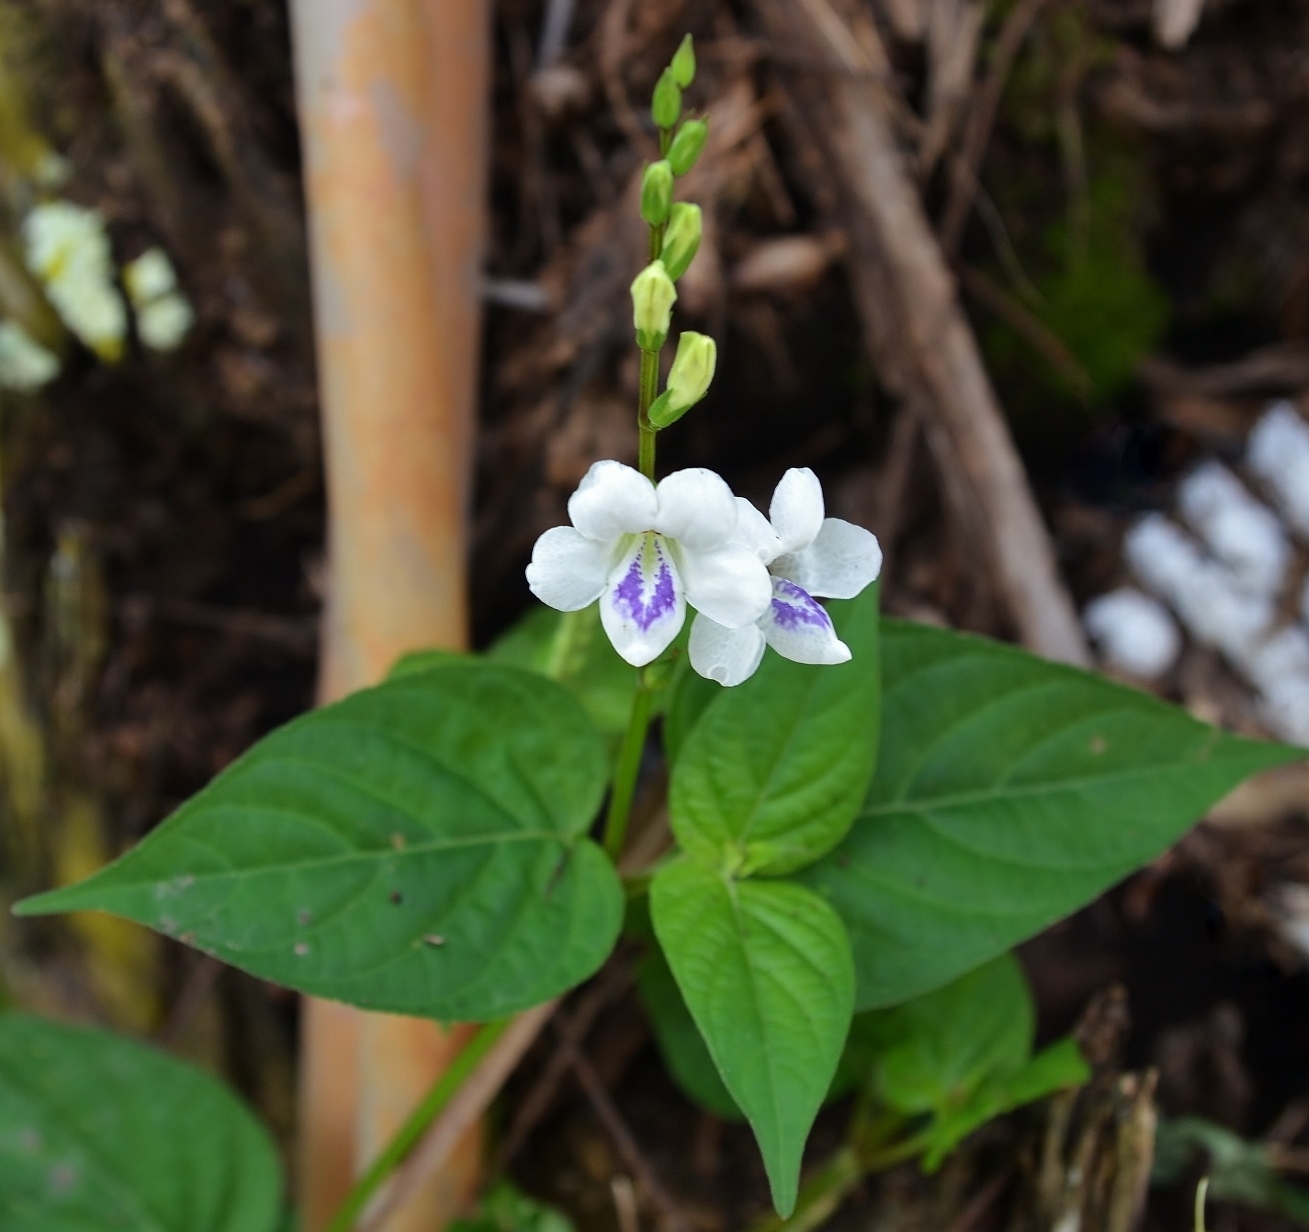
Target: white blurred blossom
{"points": [[68, 250], [163, 315], [1277, 453], [1134, 632], [25, 364], [1240, 531]]}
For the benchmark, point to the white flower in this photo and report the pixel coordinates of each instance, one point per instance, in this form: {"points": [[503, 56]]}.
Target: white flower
{"points": [[808, 555], [647, 552], [25, 364], [67, 248]]}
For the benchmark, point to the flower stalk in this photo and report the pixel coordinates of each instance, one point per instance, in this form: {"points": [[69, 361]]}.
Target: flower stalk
{"points": [[628, 768]]}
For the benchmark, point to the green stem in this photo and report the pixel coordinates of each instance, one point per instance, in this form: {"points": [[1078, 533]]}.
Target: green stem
{"points": [[408, 1135], [649, 390], [629, 765]]}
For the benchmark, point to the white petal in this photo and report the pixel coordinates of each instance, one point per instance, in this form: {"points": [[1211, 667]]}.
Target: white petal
{"points": [[756, 532], [612, 500], [840, 562], [730, 584], [644, 604], [728, 656], [797, 508], [797, 627], [697, 508], [568, 570]]}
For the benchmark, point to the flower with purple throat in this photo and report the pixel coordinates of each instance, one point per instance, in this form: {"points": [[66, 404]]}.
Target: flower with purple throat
{"points": [[646, 552], [809, 556]]}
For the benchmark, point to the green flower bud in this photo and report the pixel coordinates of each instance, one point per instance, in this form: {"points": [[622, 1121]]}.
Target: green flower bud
{"points": [[688, 380], [681, 238], [657, 193], [683, 65], [653, 296], [666, 106], [687, 145]]}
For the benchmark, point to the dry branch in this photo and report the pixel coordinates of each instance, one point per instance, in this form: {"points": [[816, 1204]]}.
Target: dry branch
{"points": [[918, 335]]}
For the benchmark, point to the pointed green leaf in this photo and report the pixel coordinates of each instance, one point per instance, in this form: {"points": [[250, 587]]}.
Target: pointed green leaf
{"points": [[1009, 792], [935, 1050], [766, 972], [1054, 1069], [98, 1133], [418, 848], [774, 770]]}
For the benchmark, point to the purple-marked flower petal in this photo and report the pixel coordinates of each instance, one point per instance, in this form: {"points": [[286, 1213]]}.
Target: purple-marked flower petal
{"points": [[797, 627], [730, 584], [797, 509], [644, 605], [613, 500], [697, 508], [756, 532], [568, 570], [728, 656], [840, 562]]}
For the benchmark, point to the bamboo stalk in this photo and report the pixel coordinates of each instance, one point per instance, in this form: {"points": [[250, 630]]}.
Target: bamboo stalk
{"points": [[392, 98]]}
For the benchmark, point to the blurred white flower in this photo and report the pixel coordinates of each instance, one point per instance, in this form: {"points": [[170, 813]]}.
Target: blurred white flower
{"points": [[1134, 632], [150, 276], [1277, 453], [68, 250], [25, 364], [1240, 531], [163, 316]]}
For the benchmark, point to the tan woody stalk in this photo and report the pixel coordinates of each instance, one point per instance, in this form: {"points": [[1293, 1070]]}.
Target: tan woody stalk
{"points": [[393, 98]]}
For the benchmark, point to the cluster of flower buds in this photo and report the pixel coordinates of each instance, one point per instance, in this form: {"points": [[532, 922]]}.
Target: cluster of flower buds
{"points": [[676, 227]]}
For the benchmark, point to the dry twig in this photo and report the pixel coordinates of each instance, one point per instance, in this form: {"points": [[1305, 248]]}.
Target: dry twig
{"points": [[918, 335]]}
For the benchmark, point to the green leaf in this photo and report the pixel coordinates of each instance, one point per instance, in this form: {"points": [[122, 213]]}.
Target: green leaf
{"points": [[1009, 792], [418, 848], [98, 1133], [936, 1050], [424, 661], [571, 647], [679, 1039], [775, 770], [1057, 1067], [1052, 1069], [766, 971], [505, 1208], [962, 1053], [1239, 1171]]}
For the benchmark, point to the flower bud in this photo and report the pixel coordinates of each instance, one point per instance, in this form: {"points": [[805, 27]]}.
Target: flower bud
{"points": [[657, 193], [683, 65], [666, 107], [688, 380], [681, 238], [653, 296], [687, 145]]}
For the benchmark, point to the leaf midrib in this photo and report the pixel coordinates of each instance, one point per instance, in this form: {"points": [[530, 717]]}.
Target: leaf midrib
{"points": [[409, 849], [1002, 793]]}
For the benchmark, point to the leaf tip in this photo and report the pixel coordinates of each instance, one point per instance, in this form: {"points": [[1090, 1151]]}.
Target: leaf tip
{"points": [[52, 902]]}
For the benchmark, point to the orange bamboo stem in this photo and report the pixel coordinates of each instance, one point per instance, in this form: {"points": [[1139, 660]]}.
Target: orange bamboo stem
{"points": [[393, 97]]}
